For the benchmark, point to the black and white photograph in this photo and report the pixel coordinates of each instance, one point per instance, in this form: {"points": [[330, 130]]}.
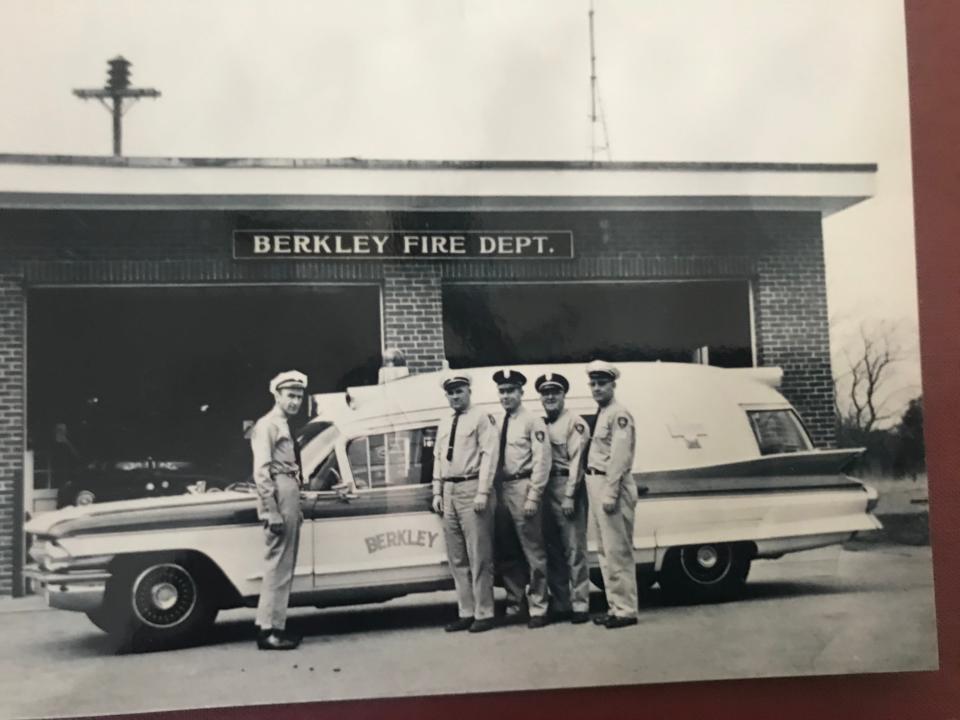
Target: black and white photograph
{"points": [[389, 349]]}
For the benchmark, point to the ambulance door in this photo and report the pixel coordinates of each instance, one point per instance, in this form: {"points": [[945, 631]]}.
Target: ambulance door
{"points": [[379, 531]]}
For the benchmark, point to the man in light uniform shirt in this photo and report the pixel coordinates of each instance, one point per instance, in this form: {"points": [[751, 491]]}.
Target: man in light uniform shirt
{"points": [[278, 475], [464, 462], [565, 516], [522, 475], [612, 493]]}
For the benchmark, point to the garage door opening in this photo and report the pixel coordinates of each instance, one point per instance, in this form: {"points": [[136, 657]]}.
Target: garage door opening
{"points": [[173, 373], [704, 321]]}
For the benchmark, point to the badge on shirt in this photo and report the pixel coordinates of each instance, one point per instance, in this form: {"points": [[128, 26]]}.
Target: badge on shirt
{"points": [[539, 435], [623, 422], [579, 428], [493, 420]]}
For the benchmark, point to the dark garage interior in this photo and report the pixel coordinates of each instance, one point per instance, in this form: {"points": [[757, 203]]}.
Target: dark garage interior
{"points": [[576, 322], [173, 373]]}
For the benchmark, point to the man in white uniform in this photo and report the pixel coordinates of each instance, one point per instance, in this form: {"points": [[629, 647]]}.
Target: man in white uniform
{"points": [[522, 475], [565, 515], [278, 475], [464, 462], [612, 492]]}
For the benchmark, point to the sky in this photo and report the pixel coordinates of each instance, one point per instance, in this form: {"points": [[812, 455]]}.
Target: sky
{"points": [[685, 80]]}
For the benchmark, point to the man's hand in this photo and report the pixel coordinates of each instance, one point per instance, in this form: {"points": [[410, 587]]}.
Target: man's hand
{"points": [[274, 525], [437, 504], [530, 508], [480, 504], [567, 507], [609, 506]]}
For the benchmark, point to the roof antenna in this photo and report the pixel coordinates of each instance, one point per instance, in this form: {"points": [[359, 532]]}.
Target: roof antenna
{"points": [[596, 103]]}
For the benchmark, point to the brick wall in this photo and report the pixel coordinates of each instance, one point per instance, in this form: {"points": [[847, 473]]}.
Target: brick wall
{"points": [[12, 356], [412, 313], [792, 324]]}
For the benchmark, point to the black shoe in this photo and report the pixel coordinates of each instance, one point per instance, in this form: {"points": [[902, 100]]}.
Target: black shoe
{"points": [[538, 621], [274, 640], [482, 625], [459, 624], [292, 637], [601, 619], [617, 621], [560, 615], [579, 617]]}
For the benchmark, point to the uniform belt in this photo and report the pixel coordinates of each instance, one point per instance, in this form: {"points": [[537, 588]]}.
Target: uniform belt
{"points": [[461, 478], [559, 473], [594, 471], [519, 476]]}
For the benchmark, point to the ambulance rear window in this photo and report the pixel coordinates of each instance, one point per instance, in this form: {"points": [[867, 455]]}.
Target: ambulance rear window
{"points": [[778, 431]]}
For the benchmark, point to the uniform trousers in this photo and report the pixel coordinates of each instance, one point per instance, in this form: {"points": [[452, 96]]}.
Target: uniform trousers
{"points": [[614, 533], [469, 539], [568, 574], [280, 559], [524, 572]]}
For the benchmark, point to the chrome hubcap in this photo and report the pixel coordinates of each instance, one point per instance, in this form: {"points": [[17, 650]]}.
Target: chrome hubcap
{"points": [[706, 564], [707, 557], [164, 596]]}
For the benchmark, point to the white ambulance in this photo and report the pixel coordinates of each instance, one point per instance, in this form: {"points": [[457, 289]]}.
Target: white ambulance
{"points": [[726, 472]]}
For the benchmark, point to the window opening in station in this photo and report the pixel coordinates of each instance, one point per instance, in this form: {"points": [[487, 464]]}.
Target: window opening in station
{"points": [[162, 375], [705, 322]]}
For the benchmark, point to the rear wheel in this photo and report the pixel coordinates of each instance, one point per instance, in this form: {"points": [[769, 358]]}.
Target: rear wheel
{"points": [[158, 603], [705, 573]]}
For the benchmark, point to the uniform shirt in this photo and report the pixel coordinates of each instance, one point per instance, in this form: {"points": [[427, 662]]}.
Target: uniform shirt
{"points": [[274, 454], [613, 445], [568, 436], [527, 450], [475, 449]]}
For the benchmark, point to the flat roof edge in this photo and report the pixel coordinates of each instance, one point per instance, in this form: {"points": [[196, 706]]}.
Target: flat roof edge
{"points": [[388, 164], [422, 203]]}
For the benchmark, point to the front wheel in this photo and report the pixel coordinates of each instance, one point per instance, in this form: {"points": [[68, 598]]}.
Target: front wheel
{"points": [[709, 572], [157, 604]]}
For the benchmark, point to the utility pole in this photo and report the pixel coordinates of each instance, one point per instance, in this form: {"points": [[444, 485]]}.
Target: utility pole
{"points": [[596, 103], [116, 91]]}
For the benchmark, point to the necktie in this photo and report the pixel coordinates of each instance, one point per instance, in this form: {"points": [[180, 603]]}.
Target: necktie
{"points": [[453, 436], [296, 448], [592, 424], [503, 441]]}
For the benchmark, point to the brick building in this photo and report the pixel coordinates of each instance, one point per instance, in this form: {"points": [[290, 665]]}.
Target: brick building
{"points": [[135, 322]]}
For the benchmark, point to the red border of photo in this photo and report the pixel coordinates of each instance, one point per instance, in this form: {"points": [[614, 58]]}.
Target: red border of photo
{"points": [[933, 29]]}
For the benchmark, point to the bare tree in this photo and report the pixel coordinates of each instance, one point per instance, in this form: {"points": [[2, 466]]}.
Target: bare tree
{"points": [[866, 366]]}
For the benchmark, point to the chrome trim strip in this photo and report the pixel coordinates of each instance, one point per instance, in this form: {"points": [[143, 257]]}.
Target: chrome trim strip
{"points": [[64, 578]]}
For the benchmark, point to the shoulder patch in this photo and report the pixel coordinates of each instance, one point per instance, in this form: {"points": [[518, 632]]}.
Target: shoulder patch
{"points": [[622, 421], [540, 436], [579, 428]]}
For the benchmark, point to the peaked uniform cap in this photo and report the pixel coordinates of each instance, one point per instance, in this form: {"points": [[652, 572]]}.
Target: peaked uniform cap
{"points": [[509, 377], [454, 379], [602, 368], [289, 379], [552, 380]]}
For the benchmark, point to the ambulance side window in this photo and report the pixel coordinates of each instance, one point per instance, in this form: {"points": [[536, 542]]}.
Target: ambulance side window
{"points": [[400, 457], [778, 431]]}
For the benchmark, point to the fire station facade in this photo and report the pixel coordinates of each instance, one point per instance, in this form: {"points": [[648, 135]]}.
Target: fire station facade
{"points": [[146, 302]]}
